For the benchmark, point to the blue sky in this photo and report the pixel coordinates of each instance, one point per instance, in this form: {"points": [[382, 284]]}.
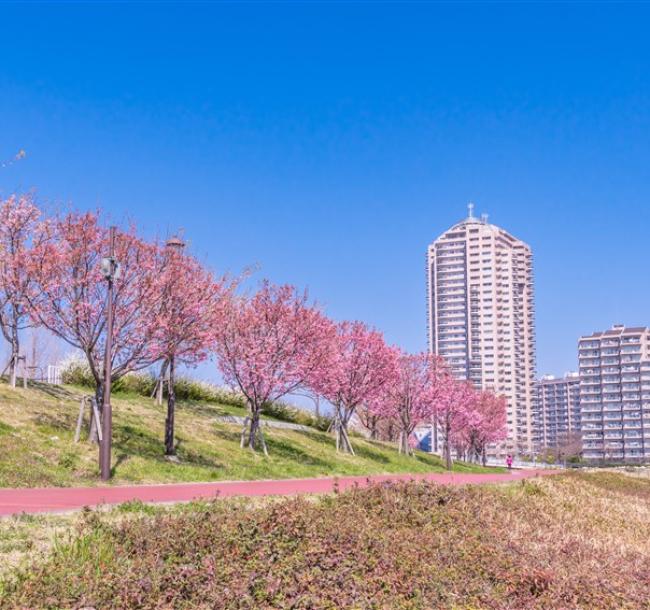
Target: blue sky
{"points": [[329, 143]]}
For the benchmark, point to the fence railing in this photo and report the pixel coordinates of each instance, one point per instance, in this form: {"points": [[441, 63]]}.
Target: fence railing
{"points": [[521, 464], [53, 374]]}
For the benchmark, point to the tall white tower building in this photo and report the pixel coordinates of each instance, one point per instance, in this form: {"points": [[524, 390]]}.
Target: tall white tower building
{"points": [[480, 315]]}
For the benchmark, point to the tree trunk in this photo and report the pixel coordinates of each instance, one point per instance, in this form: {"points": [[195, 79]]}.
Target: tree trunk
{"points": [[484, 456], [15, 348], [160, 384], [252, 431], [171, 408], [404, 446], [345, 444], [12, 370], [447, 448], [341, 428], [373, 428]]}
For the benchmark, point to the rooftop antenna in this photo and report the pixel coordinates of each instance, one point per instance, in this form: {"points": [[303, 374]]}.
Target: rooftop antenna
{"points": [[484, 218], [470, 210]]}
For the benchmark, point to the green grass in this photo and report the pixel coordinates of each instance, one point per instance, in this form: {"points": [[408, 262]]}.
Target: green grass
{"points": [[37, 448]]}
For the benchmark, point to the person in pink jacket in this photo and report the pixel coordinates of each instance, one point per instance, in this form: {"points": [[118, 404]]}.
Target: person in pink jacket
{"points": [[509, 461]]}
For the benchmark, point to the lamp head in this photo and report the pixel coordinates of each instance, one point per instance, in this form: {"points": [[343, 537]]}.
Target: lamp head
{"points": [[175, 243]]}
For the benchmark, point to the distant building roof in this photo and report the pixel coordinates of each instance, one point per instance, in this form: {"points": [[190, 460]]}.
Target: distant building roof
{"points": [[616, 330]]}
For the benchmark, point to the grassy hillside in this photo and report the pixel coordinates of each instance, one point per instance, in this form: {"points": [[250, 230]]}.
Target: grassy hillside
{"points": [[37, 448], [568, 541]]}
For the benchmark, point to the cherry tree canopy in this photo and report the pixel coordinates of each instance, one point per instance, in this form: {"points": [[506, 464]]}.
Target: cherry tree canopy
{"points": [[454, 409], [412, 396], [269, 346], [359, 367], [18, 216], [68, 293], [483, 424], [191, 307]]}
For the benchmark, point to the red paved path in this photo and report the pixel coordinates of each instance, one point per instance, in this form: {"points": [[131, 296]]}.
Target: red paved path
{"points": [[57, 499]]}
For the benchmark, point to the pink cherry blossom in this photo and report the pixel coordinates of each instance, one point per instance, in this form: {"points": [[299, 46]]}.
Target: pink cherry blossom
{"points": [[359, 367], [412, 396], [483, 424], [454, 409], [18, 216], [68, 293], [268, 346], [191, 307]]}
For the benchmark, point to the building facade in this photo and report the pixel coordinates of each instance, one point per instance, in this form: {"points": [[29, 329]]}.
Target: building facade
{"points": [[615, 394], [557, 410], [480, 316]]}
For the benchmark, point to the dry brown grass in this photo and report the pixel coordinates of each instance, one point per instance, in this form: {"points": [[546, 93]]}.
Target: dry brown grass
{"points": [[563, 542]]}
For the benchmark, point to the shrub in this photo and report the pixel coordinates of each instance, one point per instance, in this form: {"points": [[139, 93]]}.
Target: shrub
{"points": [[409, 546], [289, 413], [68, 460], [75, 371], [192, 389]]}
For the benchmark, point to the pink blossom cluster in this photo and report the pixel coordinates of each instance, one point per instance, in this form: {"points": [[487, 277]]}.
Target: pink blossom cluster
{"points": [[18, 217]]}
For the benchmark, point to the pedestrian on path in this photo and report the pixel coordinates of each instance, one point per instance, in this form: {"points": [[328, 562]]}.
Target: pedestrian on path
{"points": [[509, 461]]}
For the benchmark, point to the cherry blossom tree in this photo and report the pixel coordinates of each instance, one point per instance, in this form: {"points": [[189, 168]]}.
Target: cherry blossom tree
{"points": [[377, 424], [68, 293], [269, 346], [361, 364], [454, 408], [485, 423], [412, 396], [371, 418], [191, 308], [18, 217]]}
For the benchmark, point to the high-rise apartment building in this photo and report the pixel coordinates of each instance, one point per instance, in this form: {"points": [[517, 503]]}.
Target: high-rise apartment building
{"points": [[558, 410], [481, 315], [615, 394]]}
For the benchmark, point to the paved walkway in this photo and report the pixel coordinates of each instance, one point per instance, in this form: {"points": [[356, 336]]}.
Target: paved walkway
{"points": [[269, 423], [61, 499]]}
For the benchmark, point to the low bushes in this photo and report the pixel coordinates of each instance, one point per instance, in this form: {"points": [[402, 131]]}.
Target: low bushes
{"points": [[288, 413], [572, 541], [75, 371]]}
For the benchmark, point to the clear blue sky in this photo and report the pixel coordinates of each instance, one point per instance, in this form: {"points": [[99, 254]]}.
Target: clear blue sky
{"points": [[330, 143]]}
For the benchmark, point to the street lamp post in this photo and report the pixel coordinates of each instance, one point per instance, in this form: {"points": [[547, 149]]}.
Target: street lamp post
{"points": [[174, 244], [110, 270]]}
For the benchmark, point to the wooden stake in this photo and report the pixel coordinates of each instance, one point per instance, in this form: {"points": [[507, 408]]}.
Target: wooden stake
{"points": [[243, 433], [259, 429], [80, 419], [97, 419]]}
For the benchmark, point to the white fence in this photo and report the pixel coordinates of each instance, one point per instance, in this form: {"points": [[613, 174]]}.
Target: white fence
{"points": [[53, 374], [524, 465]]}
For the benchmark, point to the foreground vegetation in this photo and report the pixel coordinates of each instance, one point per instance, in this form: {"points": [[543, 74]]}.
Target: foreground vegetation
{"points": [[567, 541], [37, 429]]}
